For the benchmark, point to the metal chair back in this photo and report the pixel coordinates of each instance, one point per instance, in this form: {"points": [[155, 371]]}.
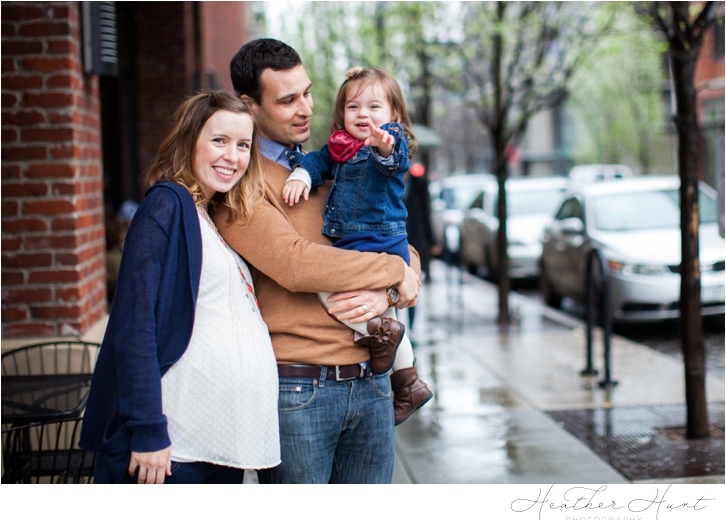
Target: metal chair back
{"points": [[46, 453], [57, 357]]}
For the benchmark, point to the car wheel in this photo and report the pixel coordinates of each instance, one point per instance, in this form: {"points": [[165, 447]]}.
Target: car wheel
{"points": [[549, 295]]}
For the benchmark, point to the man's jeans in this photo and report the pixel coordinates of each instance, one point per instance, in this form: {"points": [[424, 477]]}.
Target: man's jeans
{"points": [[338, 432]]}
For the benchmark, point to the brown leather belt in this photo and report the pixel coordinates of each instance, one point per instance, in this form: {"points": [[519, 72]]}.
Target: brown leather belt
{"points": [[337, 372]]}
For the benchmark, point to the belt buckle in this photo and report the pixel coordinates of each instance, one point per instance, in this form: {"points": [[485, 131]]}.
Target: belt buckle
{"points": [[339, 378]]}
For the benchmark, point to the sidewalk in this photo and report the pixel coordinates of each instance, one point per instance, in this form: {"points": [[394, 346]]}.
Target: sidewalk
{"points": [[512, 408]]}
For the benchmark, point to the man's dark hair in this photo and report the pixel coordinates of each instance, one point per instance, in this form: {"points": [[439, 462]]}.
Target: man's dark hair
{"points": [[253, 58]]}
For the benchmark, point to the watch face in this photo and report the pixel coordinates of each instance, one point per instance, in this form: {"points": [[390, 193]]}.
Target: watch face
{"points": [[393, 295]]}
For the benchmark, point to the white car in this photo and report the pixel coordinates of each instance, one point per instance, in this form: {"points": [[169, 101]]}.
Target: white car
{"points": [[635, 223], [531, 202], [449, 199]]}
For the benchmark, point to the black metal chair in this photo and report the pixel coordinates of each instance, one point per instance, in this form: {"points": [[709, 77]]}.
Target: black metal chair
{"points": [[46, 382], [46, 453], [56, 357]]}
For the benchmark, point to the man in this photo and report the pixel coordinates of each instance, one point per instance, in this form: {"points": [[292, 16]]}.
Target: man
{"points": [[336, 417]]}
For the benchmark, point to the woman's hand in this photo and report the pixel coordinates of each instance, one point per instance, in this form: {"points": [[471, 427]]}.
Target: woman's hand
{"points": [[152, 466], [358, 306]]}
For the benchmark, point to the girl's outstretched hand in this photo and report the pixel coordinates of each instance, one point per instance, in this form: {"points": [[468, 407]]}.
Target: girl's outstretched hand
{"points": [[381, 139]]}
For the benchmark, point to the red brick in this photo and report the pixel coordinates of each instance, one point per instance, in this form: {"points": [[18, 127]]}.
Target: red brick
{"points": [[25, 260], [53, 135], [24, 189], [8, 30], [24, 225], [44, 29], [9, 135], [49, 170], [62, 47], [10, 171], [63, 81], [24, 153], [34, 242], [64, 242], [18, 11], [11, 278], [60, 189], [9, 208], [72, 294], [14, 313], [16, 82], [48, 207], [22, 117], [55, 311], [54, 276], [27, 295], [8, 64], [9, 100], [47, 99], [17, 47], [11, 244], [63, 117], [65, 152], [26, 330]]}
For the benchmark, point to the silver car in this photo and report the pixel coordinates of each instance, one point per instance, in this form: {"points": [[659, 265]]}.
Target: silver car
{"points": [[531, 202], [449, 199], [636, 224]]}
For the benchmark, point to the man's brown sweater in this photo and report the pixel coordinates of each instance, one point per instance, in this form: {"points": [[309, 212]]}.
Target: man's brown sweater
{"points": [[291, 261]]}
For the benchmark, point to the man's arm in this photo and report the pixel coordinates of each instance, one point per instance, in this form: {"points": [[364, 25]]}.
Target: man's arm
{"points": [[273, 246]]}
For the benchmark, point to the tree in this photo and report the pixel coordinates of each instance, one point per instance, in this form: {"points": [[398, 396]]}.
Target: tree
{"points": [[684, 25], [516, 59], [616, 101]]}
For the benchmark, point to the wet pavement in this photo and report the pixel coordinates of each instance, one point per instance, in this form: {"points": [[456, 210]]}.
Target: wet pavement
{"points": [[512, 407]]}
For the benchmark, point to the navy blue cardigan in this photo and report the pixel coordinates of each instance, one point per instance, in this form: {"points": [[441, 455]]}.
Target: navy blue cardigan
{"points": [[149, 328]]}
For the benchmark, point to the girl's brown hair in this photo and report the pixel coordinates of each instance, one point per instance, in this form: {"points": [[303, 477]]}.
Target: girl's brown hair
{"points": [[359, 78], [175, 159]]}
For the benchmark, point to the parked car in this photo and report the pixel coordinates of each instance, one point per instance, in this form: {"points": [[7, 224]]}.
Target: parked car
{"points": [[635, 223], [449, 199], [531, 202], [586, 173]]}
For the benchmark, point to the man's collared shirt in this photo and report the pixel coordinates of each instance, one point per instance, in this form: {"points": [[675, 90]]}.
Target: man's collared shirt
{"points": [[275, 151]]}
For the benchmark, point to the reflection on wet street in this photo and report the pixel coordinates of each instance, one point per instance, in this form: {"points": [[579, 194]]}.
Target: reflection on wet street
{"points": [[511, 407]]}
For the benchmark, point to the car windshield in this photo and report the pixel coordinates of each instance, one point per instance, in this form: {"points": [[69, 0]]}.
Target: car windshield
{"points": [[460, 197], [646, 210], [540, 202]]}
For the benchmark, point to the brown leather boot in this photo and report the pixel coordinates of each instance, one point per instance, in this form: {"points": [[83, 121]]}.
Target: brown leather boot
{"points": [[384, 337], [409, 393]]}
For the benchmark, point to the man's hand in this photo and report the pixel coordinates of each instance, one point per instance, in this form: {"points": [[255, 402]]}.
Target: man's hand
{"points": [[382, 140], [408, 289], [152, 466], [293, 190], [360, 306]]}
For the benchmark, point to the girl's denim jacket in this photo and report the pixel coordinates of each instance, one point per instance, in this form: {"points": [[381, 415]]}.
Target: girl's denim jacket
{"points": [[367, 192]]}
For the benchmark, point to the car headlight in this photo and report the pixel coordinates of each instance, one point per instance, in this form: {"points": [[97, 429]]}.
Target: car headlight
{"points": [[641, 269]]}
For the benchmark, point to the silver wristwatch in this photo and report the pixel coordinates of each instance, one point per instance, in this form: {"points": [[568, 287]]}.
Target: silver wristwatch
{"points": [[393, 296]]}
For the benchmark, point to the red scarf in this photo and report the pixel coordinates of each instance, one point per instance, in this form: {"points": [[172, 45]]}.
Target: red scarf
{"points": [[343, 146]]}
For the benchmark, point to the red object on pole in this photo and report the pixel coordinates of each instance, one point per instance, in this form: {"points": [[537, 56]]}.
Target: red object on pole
{"points": [[417, 170]]}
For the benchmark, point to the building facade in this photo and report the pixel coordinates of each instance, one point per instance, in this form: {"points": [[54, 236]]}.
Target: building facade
{"points": [[88, 89]]}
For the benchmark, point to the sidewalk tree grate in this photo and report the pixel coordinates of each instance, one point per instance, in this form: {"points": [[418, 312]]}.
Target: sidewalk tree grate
{"points": [[648, 442]]}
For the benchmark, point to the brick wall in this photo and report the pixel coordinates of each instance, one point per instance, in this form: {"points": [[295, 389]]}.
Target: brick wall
{"points": [[164, 61], [53, 250]]}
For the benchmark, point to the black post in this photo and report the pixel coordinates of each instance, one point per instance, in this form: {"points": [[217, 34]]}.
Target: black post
{"points": [[606, 317], [589, 316]]}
